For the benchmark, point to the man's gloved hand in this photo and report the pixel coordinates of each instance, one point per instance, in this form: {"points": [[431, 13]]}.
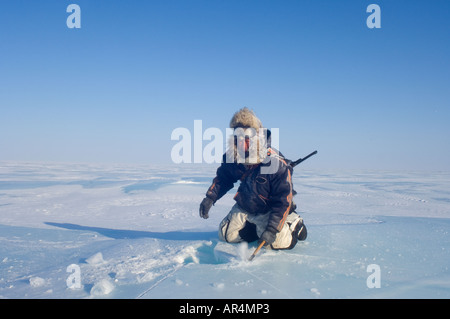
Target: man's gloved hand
{"points": [[268, 236], [205, 206]]}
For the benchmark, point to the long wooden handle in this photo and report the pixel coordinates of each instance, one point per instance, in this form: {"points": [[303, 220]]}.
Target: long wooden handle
{"points": [[256, 250]]}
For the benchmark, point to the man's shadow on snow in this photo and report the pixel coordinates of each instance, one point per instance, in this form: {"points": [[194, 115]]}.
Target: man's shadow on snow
{"points": [[135, 234]]}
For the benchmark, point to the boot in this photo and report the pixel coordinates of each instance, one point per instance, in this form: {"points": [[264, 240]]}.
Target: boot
{"points": [[300, 231]]}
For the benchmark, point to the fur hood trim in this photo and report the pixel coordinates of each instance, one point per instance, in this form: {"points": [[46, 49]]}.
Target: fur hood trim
{"points": [[245, 118]]}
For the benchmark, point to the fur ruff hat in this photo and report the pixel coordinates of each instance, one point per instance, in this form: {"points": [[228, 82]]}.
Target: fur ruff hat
{"points": [[245, 118]]}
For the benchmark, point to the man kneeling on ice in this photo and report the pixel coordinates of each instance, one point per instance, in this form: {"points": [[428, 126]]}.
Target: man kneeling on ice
{"points": [[264, 209]]}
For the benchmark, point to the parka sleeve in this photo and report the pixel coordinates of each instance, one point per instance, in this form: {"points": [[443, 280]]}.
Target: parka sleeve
{"points": [[227, 174], [280, 200]]}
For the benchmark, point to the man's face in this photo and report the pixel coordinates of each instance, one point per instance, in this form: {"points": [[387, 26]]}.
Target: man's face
{"points": [[245, 139], [244, 143], [243, 136]]}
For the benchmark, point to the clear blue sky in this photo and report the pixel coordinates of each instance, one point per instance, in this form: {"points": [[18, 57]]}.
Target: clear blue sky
{"points": [[114, 90]]}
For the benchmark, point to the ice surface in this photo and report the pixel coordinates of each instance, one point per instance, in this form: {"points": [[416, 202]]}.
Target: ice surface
{"points": [[101, 288], [95, 259], [134, 232]]}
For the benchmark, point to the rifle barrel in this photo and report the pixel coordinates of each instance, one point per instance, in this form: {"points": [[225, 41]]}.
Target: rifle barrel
{"points": [[293, 164]]}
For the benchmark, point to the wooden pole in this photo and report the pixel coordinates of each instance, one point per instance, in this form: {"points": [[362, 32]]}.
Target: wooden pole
{"points": [[256, 250]]}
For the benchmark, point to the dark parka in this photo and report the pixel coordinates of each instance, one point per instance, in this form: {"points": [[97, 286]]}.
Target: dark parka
{"points": [[258, 193]]}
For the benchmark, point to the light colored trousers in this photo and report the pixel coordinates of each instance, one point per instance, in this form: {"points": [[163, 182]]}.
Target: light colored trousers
{"points": [[236, 220]]}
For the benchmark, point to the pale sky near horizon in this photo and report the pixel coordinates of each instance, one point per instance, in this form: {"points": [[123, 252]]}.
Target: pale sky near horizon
{"points": [[114, 89]]}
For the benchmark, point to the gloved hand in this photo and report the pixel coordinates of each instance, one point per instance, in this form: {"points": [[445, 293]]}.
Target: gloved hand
{"points": [[268, 236], [205, 206]]}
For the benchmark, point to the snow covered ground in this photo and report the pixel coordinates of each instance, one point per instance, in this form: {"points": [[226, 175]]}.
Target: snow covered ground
{"points": [[118, 231]]}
